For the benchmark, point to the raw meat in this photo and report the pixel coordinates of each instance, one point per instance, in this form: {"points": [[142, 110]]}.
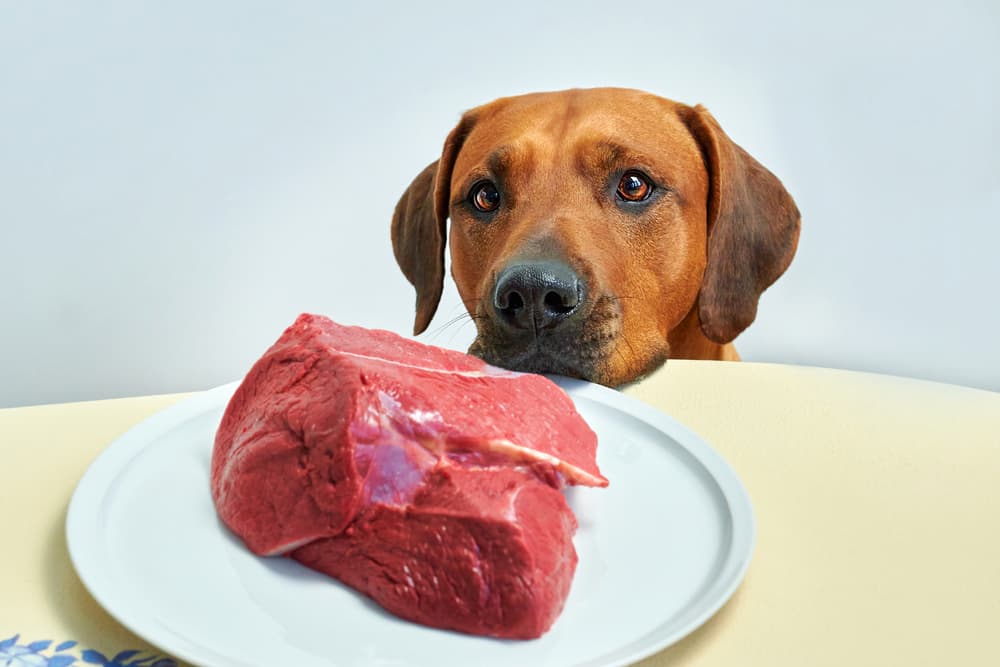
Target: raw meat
{"points": [[422, 477]]}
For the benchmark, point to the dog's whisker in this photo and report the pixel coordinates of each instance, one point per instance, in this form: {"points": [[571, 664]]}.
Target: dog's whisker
{"points": [[469, 314], [473, 304], [455, 320], [617, 350], [629, 363], [468, 317]]}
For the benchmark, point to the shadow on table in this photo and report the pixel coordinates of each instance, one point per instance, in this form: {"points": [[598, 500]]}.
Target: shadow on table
{"points": [[81, 616]]}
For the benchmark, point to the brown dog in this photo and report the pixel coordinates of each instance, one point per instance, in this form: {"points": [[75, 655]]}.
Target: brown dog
{"points": [[595, 233]]}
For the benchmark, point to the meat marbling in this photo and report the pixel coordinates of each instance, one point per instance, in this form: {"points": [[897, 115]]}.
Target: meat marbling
{"points": [[422, 477]]}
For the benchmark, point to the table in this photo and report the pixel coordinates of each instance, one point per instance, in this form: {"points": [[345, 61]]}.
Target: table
{"points": [[877, 501]]}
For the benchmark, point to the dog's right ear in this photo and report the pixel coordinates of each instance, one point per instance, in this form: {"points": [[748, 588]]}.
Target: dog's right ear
{"points": [[419, 227]]}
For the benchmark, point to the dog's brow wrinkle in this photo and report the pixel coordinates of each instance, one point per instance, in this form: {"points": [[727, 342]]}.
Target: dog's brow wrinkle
{"points": [[611, 152], [613, 155], [508, 158], [499, 160]]}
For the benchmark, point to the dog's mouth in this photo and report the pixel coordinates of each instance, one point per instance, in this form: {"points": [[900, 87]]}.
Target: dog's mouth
{"points": [[579, 349], [541, 358]]}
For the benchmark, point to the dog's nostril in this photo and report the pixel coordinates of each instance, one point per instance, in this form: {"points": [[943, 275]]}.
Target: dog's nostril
{"points": [[560, 302], [509, 301], [514, 301]]}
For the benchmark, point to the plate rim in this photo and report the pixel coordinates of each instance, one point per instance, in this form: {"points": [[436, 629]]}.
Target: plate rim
{"points": [[738, 502], [90, 491]]}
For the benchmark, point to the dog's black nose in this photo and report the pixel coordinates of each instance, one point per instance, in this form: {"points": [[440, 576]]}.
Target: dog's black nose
{"points": [[540, 294]]}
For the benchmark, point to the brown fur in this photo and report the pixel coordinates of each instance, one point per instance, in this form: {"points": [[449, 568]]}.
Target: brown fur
{"points": [[679, 277]]}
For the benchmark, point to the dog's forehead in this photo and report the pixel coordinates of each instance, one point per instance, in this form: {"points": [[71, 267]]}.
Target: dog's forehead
{"points": [[574, 121]]}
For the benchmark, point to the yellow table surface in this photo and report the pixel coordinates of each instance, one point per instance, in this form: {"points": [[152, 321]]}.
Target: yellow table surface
{"points": [[877, 502]]}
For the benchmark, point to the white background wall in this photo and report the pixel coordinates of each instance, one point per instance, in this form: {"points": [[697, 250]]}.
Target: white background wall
{"points": [[179, 180]]}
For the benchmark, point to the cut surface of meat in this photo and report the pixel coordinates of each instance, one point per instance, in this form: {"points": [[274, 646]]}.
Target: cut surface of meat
{"points": [[496, 561], [420, 476]]}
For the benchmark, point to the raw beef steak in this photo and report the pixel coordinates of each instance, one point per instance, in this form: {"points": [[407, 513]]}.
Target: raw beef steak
{"points": [[423, 477]]}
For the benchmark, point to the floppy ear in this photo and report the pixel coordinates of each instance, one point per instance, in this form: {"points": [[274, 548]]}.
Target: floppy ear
{"points": [[753, 230], [419, 231]]}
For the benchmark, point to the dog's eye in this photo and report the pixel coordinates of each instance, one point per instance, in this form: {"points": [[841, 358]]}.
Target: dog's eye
{"points": [[634, 186], [485, 197]]}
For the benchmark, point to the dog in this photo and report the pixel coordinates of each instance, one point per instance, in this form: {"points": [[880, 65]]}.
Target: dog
{"points": [[595, 233]]}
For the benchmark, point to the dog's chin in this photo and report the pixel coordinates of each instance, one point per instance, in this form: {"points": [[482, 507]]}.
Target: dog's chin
{"points": [[572, 358], [576, 354], [539, 358]]}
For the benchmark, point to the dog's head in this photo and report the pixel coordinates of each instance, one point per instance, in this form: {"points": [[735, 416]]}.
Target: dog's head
{"points": [[588, 225]]}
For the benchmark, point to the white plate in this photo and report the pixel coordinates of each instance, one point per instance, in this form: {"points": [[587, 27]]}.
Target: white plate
{"points": [[661, 549]]}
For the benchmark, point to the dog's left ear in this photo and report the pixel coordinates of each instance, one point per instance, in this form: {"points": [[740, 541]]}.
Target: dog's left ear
{"points": [[753, 230], [419, 227]]}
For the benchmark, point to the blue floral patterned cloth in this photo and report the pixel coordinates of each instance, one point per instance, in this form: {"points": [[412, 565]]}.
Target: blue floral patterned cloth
{"points": [[42, 654]]}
